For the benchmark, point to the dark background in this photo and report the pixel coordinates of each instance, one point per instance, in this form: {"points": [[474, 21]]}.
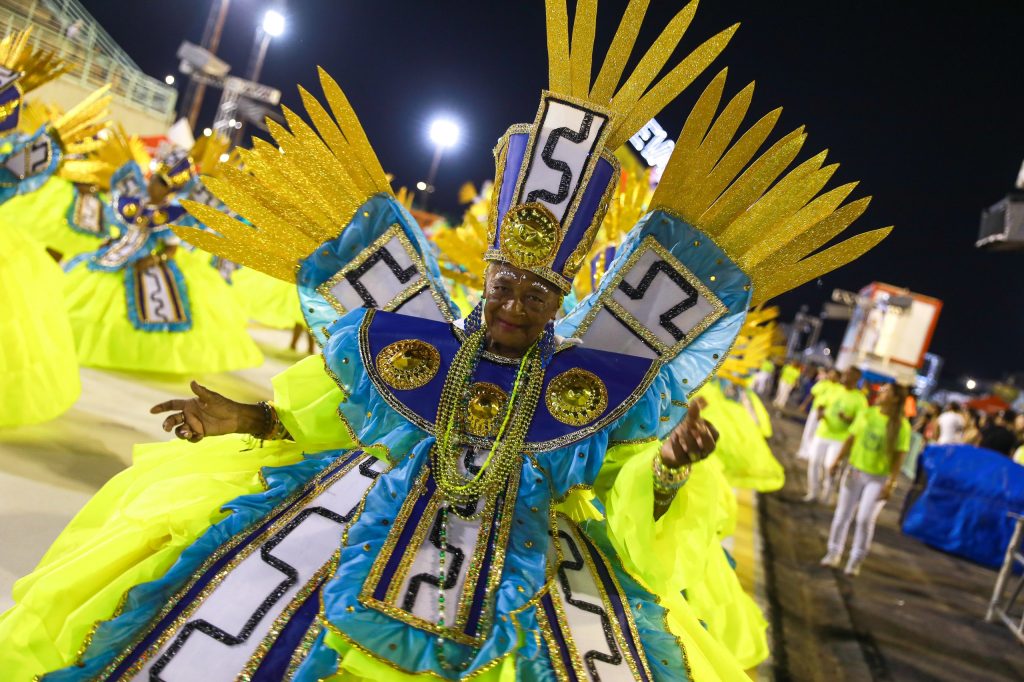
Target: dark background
{"points": [[920, 101]]}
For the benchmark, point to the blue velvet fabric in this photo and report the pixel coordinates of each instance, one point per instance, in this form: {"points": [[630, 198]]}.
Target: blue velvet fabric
{"points": [[621, 374], [963, 500], [11, 185], [682, 375], [370, 221], [7, 96]]}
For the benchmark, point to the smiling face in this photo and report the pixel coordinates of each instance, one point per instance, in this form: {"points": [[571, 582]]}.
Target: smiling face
{"points": [[517, 305]]}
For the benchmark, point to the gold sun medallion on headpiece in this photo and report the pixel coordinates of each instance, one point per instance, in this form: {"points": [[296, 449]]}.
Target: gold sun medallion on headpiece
{"points": [[408, 364], [485, 406], [530, 235], [576, 397]]}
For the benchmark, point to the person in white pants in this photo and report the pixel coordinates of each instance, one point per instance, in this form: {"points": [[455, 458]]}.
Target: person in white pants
{"points": [[845, 404], [878, 441], [821, 394], [788, 378]]}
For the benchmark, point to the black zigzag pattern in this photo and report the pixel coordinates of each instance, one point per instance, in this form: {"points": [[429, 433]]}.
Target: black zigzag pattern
{"points": [[576, 564], [381, 254], [291, 576], [562, 167], [638, 292]]}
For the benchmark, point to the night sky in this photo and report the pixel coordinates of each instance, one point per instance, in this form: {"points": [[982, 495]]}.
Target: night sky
{"points": [[922, 102]]}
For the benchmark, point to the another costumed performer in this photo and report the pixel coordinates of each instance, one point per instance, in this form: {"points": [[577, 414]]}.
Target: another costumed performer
{"points": [[134, 306], [37, 353], [423, 516]]}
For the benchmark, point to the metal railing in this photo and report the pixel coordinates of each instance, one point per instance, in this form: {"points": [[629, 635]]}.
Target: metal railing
{"points": [[1001, 606], [67, 28]]}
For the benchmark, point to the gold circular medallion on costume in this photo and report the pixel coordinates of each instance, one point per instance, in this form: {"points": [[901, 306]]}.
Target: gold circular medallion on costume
{"points": [[130, 210], [485, 407], [159, 217], [530, 235], [576, 397], [408, 364]]}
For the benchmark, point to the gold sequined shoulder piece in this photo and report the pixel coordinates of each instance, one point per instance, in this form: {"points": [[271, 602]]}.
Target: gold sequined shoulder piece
{"points": [[296, 193], [769, 220]]}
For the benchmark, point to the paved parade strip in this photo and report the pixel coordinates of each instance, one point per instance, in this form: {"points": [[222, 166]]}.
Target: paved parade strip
{"points": [[914, 613]]}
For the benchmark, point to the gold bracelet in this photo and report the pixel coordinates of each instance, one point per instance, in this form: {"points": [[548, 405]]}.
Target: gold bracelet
{"points": [[668, 479]]}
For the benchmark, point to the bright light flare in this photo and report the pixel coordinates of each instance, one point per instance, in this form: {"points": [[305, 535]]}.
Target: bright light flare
{"points": [[444, 132], [273, 23], [971, 384], [421, 185], [169, 79]]}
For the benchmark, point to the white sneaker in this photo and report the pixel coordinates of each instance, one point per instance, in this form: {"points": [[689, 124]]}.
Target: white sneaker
{"points": [[831, 560], [852, 568]]}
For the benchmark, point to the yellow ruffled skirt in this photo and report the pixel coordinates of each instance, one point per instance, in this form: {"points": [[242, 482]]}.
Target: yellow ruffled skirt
{"points": [[105, 337], [267, 300], [42, 216], [38, 368]]}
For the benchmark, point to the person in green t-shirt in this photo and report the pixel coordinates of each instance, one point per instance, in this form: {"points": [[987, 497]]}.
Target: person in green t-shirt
{"points": [[843, 405], [821, 397], [878, 440], [787, 380], [763, 378]]}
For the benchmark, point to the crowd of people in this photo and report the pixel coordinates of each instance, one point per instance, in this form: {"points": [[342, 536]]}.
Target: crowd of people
{"points": [[1001, 432], [856, 438]]}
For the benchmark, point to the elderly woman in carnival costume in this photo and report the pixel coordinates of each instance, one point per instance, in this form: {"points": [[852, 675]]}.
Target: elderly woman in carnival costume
{"points": [[425, 506]]}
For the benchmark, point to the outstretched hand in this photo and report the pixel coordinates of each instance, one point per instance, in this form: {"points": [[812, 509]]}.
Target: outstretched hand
{"points": [[208, 414], [691, 441]]}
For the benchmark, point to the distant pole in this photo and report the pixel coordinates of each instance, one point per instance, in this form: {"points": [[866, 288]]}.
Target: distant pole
{"points": [[195, 91], [438, 150], [257, 56]]}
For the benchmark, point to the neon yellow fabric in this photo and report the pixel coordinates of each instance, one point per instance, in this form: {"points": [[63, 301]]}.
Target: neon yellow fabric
{"points": [[668, 554], [104, 336], [869, 452], [848, 403], [679, 551], [747, 460], [38, 368], [789, 374], [306, 400], [130, 532], [768, 366], [732, 617], [823, 392], [141, 520], [267, 300], [42, 217]]}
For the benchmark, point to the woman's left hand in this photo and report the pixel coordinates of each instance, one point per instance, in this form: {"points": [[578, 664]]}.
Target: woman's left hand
{"points": [[690, 442]]}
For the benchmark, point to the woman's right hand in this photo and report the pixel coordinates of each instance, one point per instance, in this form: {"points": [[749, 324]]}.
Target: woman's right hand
{"points": [[208, 414]]}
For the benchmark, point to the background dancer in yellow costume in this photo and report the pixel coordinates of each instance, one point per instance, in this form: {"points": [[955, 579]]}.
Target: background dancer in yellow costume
{"points": [[425, 517], [134, 305], [37, 359]]}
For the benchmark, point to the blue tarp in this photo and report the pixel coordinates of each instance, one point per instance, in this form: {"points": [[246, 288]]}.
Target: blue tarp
{"points": [[960, 499]]}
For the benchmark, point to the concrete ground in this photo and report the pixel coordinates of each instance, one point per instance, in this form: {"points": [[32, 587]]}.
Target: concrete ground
{"points": [[49, 471], [914, 613]]}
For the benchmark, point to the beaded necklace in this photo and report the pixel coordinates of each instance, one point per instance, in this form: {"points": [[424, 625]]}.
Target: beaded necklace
{"points": [[495, 470]]}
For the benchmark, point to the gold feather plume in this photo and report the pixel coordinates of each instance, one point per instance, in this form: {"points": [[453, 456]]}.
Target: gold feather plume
{"points": [[37, 66], [297, 194], [462, 247], [639, 98], [771, 225], [79, 132], [757, 341]]}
